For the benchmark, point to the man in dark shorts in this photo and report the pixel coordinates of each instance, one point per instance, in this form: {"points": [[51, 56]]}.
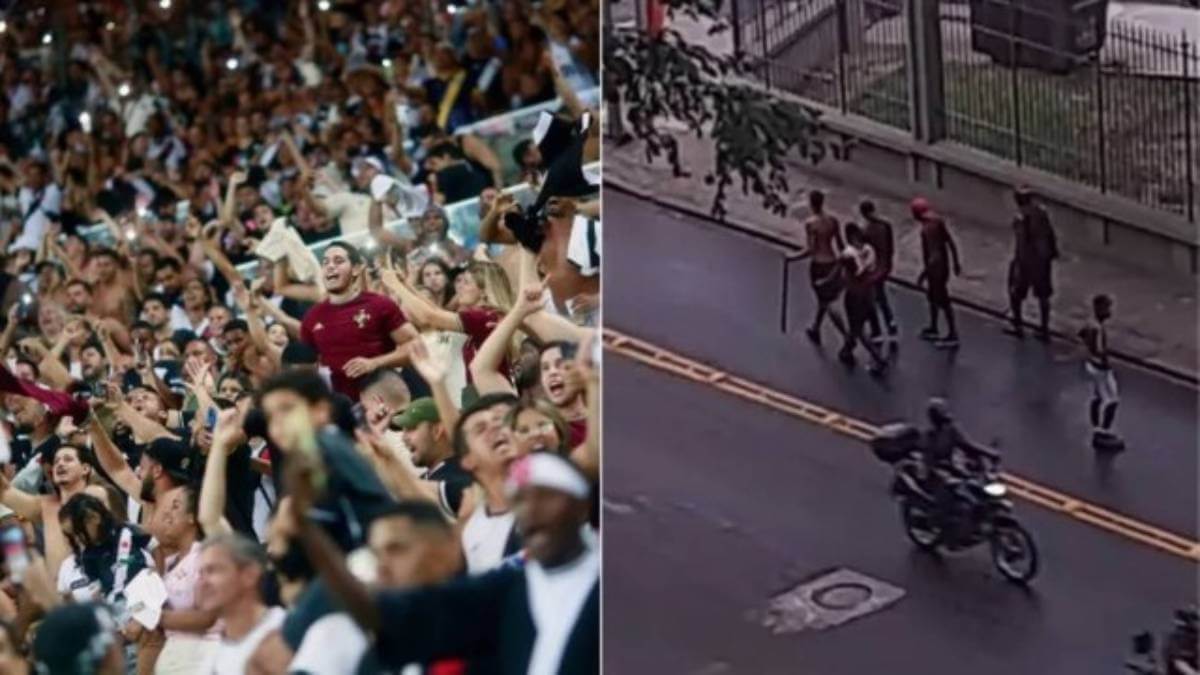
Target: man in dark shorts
{"points": [[1034, 252], [940, 256], [826, 271], [859, 260], [879, 235]]}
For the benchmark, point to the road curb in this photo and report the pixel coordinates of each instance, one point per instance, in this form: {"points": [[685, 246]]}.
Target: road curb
{"points": [[1151, 365]]}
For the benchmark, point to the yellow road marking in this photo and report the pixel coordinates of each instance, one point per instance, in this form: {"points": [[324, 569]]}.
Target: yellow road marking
{"points": [[1031, 491]]}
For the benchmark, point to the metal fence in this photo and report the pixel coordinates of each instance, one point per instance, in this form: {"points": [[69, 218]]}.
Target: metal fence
{"points": [[1018, 81]]}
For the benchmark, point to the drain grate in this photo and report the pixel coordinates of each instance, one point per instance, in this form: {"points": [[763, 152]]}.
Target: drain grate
{"points": [[828, 601]]}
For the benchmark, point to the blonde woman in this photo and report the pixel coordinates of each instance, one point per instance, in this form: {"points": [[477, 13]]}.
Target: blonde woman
{"points": [[482, 296]]}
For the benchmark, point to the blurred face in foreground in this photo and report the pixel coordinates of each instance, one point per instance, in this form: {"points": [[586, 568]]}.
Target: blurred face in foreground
{"points": [[550, 522], [410, 554], [222, 581]]}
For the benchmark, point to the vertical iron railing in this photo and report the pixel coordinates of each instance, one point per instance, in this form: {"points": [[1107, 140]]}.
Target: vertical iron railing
{"points": [[1189, 105], [1061, 90]]}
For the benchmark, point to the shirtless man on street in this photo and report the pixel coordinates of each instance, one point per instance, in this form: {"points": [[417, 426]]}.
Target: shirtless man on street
{"points": [[826, 270]]}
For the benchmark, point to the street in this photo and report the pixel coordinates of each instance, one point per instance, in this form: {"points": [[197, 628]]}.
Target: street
{"points": [[715, 503]]}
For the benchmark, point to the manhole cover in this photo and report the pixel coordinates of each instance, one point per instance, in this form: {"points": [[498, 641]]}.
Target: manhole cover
{"points": [[841, 596], [830, 600]]}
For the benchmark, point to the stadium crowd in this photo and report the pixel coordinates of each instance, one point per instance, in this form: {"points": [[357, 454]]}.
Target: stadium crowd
{"points": [[300, 372]]}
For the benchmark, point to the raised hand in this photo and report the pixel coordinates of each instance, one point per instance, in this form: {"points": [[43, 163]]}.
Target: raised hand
{"points": [[432, 368], [228, 434], [530, 300]]}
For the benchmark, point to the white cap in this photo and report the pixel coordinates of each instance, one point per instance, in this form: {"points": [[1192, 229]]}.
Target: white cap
{"points": [[548, 470]]}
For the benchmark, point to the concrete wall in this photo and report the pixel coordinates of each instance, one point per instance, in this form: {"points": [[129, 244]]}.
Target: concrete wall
{"points": [[966, 181]]}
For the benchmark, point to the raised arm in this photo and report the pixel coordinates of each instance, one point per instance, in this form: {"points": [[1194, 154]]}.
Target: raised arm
{"points": [[587, 455], [382, 235], [296, 291], [111, 459], [418, 309], [485, 367], [479, 151], [433, 369], [492, 230], [227, 437], [25, 505]]}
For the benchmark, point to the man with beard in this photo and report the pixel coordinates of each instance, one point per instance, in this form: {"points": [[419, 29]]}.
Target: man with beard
{"points": [[168, 277], [413, 545], [540, 618], [432, 451], [165, 464], [156, 312], [355, 332], [562, 386], [93, 365], [35, 438]]}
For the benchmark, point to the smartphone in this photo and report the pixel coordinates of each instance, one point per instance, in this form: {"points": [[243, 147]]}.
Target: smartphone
{"points": [[182, 210], [16, 552], [26, 310], [100, 390], [360, 415], [210, 419]]}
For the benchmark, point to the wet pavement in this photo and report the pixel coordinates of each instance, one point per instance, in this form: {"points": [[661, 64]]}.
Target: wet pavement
{"points": [[715, 504]]}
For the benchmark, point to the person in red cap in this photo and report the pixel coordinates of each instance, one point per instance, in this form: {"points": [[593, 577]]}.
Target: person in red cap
{"points": [[1034, 252], [940, 256]]}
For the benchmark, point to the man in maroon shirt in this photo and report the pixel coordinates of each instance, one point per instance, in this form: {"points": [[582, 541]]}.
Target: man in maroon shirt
{"points": [[355, 332]]}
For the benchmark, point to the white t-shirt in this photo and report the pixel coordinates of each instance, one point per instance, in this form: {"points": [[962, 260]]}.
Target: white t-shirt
{"points": [[72, 581], [484, 537], [556, 598], [334, 645], [233, 657]]}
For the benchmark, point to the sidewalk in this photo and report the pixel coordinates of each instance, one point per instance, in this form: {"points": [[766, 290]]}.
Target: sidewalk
{"points": [[1156, 319]]}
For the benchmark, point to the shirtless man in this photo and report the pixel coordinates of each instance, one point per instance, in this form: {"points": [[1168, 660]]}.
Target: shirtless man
{"points": [[111, 289], [940, 255], [826, 271]]}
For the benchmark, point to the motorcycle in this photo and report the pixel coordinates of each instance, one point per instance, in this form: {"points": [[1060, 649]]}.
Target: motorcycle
{"points": [[980, 511], [1179, 649]]}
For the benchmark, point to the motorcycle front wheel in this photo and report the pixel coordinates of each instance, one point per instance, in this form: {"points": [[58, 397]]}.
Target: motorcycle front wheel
{"points": [[921, 525], [1013, 552]]}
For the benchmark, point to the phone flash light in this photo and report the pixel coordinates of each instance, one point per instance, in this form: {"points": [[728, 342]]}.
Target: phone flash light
{"points": [[324, 5], [165, 4], [3, 26], [123, 90], [85, 121], [231, 64], [387, 63], [111, 25], [27, 299], [131, 234], [47, 39]]}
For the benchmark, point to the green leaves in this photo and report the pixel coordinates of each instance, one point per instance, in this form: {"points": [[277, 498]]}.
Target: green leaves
{"points": [[666, 77]]}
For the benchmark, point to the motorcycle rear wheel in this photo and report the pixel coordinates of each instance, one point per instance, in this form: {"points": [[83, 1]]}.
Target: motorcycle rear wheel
{"points": [[1013, 552], [921, 525]]}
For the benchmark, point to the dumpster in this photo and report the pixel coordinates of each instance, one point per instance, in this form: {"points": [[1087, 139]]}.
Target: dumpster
{"points": [[1056, 36]]}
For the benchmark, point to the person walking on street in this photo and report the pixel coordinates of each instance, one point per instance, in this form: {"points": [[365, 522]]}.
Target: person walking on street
{"points": [[940, 256], [1034, 253], [824, 244], [879, 235], [1105, 396], [859, 259]]}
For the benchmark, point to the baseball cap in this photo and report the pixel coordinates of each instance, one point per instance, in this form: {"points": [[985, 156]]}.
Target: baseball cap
{"points": [[175, 457], [919, 205], [550, 471], [74, 639], [419, 410]]}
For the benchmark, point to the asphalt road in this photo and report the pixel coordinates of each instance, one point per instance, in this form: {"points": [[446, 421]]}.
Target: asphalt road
{"points": [[715, 503], [715, 295]]}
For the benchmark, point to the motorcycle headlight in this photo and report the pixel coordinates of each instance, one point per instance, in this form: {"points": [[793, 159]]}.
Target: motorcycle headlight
{"points": [[995, 489]]}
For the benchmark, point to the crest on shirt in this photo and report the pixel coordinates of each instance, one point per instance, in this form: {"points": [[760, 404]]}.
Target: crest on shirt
{"points": [[362, 318]]}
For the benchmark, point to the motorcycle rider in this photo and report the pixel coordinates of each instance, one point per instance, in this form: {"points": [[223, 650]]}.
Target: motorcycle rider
{"points": [[942, 470]]}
